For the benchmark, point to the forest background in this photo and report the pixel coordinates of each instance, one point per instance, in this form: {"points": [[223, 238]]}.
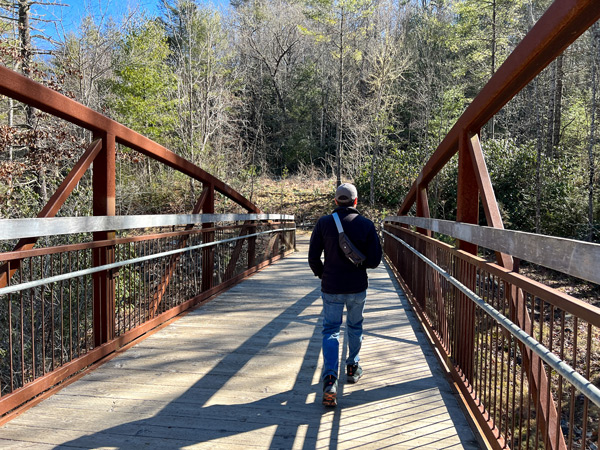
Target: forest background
{"points": [[284, 99]]}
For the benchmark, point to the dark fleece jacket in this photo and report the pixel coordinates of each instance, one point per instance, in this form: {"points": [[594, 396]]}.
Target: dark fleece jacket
{"points": [[338, 274]]}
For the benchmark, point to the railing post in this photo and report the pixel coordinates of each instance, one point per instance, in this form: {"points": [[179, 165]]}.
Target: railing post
{"points": [[104, 187], [467, 211], [421, 246], [208, 253], [422, 205], [252, 246], [467, 197]]}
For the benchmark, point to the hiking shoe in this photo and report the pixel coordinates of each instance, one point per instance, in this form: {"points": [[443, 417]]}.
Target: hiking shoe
{"points": [[353, 372], [330, 390]]}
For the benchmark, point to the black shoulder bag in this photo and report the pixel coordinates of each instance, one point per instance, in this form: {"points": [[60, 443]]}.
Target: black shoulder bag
{"points": [[349, 249]]}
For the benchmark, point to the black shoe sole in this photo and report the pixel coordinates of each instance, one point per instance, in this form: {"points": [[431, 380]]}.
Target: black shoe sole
{"points": [[352, 380], [330, 398]]}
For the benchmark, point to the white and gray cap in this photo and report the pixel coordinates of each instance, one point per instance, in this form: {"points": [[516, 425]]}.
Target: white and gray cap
{"points": [[346, 193]]}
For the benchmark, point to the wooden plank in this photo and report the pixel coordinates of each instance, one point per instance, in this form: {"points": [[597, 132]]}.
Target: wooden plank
{"points": [[577, 258], [27, 435], [247, 372]]}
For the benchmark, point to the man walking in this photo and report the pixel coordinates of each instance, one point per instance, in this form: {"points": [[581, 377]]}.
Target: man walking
{"points": [[342, 284]]}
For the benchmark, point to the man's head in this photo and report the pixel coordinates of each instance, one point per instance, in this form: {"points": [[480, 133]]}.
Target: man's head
{"points": [[346, 195]]}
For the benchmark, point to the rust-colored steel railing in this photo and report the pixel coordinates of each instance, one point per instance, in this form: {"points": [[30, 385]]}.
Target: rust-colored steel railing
{"points": [[48, 329], [54, 330], [563, 23], [519, 400]]}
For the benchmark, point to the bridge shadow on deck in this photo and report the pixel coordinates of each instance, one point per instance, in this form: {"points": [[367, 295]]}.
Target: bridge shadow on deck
{"points": [[245, 374]]}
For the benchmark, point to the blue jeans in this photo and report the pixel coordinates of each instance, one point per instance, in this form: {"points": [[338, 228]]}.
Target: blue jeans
{"points": [[333, 310]]}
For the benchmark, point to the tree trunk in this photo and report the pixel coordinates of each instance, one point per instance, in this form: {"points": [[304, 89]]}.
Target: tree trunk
{"points": [[558, 101], [11, 119], [43, 186], [324, 104], [538, 162], [591, 160], [27, 68], [592, 141], [493, 62], [373, 168], [25, 38], [555, 107], [338, 156], [551, 109]]}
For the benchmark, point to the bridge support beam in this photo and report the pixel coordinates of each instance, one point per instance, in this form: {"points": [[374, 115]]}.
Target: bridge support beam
{"points": [[54, 205], [104, 204], [471, 153], [467, 197], [467, 211], [208, 253], [168, 274], [488, 197], [423, 206], [421, 268]]}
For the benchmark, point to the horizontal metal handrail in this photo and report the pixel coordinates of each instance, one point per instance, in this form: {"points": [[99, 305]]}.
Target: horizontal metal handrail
{"points": [[101, 268], [565, 370], [53, 329], [25, 228], [577, 258], [62, 248]]}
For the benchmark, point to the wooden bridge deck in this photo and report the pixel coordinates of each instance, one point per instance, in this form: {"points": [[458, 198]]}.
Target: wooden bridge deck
{"points": [[243, 372]]}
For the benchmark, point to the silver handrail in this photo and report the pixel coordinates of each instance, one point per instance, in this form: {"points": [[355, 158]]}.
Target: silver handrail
{"points": [[51, 226], [79, 273]]}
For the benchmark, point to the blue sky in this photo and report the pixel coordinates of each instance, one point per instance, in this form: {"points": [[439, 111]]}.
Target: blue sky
{"points": [[67, 18]]}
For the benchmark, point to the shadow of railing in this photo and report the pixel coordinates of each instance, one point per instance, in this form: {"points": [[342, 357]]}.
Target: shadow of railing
{"points": [[210, 421]]}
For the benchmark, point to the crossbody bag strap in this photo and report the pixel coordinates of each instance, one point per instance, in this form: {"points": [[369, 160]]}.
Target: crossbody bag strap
{"points": [[338, 223]]}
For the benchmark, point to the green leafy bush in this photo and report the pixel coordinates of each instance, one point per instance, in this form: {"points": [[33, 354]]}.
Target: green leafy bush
{"points": [[393, 176]]}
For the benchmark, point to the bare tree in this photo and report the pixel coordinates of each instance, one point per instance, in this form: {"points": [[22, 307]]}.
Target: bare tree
{"points": [[387, 63], [26, 23], [200, 52], [341, 25], [592, 140]]}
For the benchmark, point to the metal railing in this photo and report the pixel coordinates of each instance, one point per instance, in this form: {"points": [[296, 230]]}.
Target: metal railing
{"points": [[518, 400], [49, 321], [64, 307], [525, 356]]}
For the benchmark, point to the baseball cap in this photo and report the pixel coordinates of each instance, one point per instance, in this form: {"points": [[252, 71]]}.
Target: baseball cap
{"points": [[346, 193]]}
